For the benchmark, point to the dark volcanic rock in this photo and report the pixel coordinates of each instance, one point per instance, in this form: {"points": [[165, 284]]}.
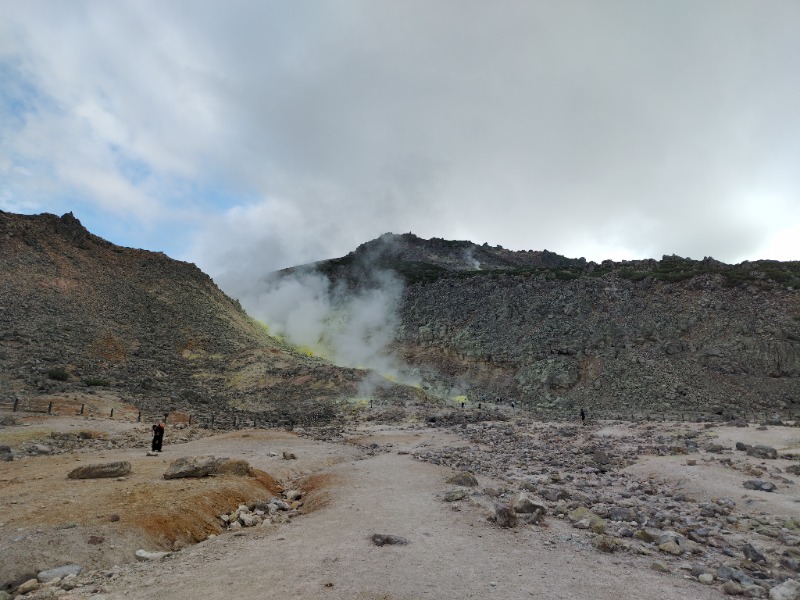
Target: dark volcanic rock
{"points": [[757, 484], [762, 452]]}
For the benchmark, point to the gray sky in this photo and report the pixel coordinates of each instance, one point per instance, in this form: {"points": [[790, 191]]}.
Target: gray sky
{"points": [[252, 135]]}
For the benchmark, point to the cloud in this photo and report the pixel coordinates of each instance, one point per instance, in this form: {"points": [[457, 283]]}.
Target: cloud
{"points": [[272, 133]]}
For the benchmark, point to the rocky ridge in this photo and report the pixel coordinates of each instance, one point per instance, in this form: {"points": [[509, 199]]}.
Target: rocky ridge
{"points": [[670, 337], [79, 314]]}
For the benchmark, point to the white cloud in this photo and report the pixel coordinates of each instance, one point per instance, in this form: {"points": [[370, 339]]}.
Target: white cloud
{"points": [[277, 133]]}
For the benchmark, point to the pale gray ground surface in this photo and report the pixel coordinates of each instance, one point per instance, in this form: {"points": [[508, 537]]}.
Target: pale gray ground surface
{"points": [[452, 551], [450, 554]]}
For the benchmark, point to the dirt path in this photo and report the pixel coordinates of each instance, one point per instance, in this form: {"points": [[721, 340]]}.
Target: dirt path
{"points": [[452, 551]]}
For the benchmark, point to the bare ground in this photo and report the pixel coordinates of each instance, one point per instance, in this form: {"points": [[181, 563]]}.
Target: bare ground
{"points": [[452, 550]]}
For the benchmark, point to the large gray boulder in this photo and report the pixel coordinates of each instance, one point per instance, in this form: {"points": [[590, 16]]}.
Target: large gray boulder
{"points": [[101, 471], [205, 466], [192, 466]]}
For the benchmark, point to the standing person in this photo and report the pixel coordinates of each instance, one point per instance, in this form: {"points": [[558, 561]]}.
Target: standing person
{"points": [[158, 437], [154, 445], [583, 417]]}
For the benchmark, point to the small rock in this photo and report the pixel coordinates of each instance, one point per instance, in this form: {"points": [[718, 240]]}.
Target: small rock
{"points": [[706, 578], [289, 455], [145, 555], [752, 554], [671, 547], [464, 479], [28, 586], [732, 588], [659, 566], [757, 484], [605, 543], [505, 516], [382, 539], [454, 495]]}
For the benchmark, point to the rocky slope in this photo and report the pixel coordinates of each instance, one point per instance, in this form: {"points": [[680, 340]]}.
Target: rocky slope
{"points": [[79, 314], [551, 333]]}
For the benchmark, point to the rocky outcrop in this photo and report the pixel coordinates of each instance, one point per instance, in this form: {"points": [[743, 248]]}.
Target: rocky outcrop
{"points": [[555, 333], [608, 342], [79, 314]]}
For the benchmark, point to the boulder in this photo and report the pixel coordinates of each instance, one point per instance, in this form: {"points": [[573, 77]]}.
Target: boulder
{"points": [[101, 471], [788, 590], [464, 479], [523, 504], [192, 466], [205, 466], [605, 543], [5, 453], [28, 587], [752, 554], [454, 495], [757, 484], [58, 573], [505, 516], [760, 451]]}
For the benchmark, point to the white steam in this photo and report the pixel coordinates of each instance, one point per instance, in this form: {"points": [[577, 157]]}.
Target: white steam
{"points": [[469, 258], [349, 328]]}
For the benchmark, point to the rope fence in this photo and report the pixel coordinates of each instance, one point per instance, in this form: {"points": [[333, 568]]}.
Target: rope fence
{"points": [[316, 416]]}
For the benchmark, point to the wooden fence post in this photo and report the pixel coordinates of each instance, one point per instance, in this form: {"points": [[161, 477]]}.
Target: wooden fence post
{"points": [[212, 420], [49, 408], [112, 413], [139, 417], [16, 403], [82, 406], [190, 419]]}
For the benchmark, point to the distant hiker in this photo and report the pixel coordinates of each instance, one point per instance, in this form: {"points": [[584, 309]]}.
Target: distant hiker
{"points": [[583, 417], [479, 405], [158, 437], [513, 404], [463, 402]]}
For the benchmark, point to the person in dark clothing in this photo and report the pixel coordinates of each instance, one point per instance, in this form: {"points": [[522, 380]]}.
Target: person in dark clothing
{"points": [[158, 437], [583, 417]]}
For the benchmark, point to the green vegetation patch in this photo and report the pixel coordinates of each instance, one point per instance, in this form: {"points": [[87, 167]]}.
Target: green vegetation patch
{"points": [[58, 374]]}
